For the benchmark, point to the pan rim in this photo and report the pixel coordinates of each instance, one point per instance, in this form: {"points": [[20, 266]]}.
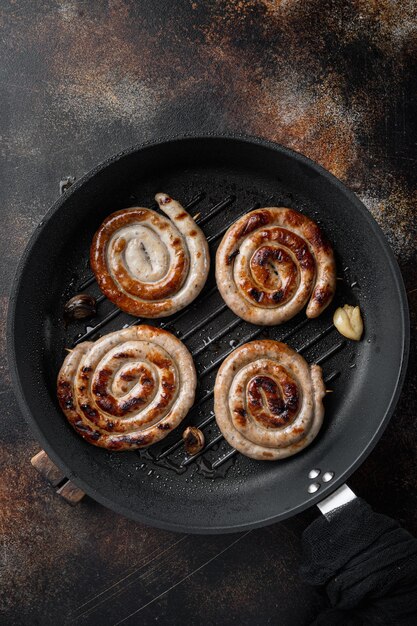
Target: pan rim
{"points": [[326, 489]]}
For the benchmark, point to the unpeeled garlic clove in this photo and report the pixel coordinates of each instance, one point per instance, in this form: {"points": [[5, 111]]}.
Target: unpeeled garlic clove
{"points": [[193, 440], [80, 307], [348, 321]]}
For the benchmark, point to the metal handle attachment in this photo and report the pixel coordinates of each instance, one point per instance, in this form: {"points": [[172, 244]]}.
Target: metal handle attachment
{"points": [[341, 496]]}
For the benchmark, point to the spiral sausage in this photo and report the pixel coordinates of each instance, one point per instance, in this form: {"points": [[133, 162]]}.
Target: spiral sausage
{"points": [[268, 400], [129, 389], [271, 262], [148, 265]]}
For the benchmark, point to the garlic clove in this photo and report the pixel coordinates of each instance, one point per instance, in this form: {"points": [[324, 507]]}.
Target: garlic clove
{"points": [[193, 440], [80, 307], [348, 321]]}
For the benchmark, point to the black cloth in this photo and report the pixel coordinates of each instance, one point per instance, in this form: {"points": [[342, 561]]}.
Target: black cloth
{"points": [[368, 565]]}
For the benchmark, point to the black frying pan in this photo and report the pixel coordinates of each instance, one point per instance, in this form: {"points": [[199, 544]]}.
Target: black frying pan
{"points": [[220, 491]]}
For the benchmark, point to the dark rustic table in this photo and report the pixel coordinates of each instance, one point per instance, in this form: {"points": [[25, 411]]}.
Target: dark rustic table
{"points": [[83, 80]]}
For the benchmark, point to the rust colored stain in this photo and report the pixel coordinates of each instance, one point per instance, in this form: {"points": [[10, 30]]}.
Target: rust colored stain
{"points": [[335, 91], [39, 530]]}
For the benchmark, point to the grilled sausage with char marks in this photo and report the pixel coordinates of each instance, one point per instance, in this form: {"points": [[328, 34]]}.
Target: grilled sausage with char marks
{"points": [[128, 389], [271, 263], [149, 265], [268, 400]]}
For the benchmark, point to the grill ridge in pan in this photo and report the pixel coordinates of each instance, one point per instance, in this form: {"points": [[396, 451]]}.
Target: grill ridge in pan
{"points": [[220, 178]]}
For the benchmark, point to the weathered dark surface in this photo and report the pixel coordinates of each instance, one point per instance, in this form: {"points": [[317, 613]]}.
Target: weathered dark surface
{"points": [[81, 81]]}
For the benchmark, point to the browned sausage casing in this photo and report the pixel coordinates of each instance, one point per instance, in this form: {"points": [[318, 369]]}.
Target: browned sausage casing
{"points": [[149, 265], [128, 389], [268, 400], [271, 263]]}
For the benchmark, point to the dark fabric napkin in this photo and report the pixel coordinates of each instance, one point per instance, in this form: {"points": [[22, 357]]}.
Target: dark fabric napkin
{"points": [[368, 565]]}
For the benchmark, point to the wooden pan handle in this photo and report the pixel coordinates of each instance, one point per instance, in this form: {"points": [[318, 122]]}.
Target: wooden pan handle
{"points": [[55, 477]]}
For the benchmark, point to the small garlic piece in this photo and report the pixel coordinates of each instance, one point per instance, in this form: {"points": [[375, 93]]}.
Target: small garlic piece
{"points": [[80, 307], [348, 321], [193, 440]]}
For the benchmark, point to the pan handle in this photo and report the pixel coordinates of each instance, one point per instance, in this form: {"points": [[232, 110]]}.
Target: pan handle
{"points": [[341, 496]]}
